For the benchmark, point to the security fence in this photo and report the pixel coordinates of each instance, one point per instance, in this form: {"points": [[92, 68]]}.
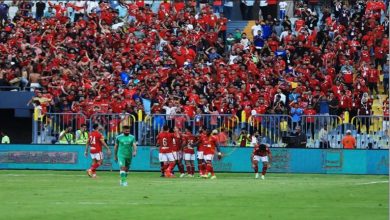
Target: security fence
{"points": [[320, 131], [111, 125], [47, 129], [371, 132], [270, 128]]}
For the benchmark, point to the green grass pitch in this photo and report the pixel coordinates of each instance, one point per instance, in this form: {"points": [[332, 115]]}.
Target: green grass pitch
{"points": [[72, 195]]}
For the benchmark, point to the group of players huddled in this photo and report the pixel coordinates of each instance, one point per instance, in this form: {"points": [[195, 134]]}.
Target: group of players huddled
{"points": [[174, 146]]}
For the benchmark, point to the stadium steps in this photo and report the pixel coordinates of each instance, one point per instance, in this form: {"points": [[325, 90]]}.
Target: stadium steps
{"points": [[248, 29], [233, 25]]}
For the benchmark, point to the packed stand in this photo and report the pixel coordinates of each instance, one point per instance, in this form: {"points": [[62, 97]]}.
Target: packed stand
{"points": [[92, 57]]}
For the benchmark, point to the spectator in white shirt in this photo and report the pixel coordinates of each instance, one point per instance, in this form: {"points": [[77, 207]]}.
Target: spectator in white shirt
{"points": [[282, 96], [170, 111], [282, 10], [245, 41], [92, 6], [256, 28]]}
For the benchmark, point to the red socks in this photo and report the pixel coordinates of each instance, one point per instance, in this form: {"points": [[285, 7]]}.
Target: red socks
{"points": [[170, 167], [200, 169], [181, 167], [256, 168], [210, 169], [204, 168], [264, 170], [94, 167], [189, 171], [192, 169]]}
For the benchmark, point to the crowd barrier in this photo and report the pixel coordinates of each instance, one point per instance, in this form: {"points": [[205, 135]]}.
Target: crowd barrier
{"points": [[47, 128], [153, 124], [272, 128], [285, 160], [111, 124], [369, 131]]}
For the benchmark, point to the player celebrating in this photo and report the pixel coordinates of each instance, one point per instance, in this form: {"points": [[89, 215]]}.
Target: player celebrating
{"points": [[210, 144], [95, 140], [125, 148], [167, 161], [189, 153], [177, 150], [200, 152], [261, 152]]}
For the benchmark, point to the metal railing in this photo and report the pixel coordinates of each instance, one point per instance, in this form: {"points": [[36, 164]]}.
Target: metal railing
{"points": [[153, 124], [370, 131], [271, 128], [46, 129], [312, 124], [111, 124]]}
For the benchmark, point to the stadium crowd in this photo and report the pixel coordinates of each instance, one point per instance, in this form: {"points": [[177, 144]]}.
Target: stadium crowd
{"points": [[93, 56]]}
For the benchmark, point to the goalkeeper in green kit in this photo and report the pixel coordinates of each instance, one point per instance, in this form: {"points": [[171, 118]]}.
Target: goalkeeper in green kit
{"points": [[125, 148]]}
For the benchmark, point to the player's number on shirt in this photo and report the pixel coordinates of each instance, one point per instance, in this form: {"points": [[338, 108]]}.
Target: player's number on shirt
{"points": [[92, 140], [165, 142]]}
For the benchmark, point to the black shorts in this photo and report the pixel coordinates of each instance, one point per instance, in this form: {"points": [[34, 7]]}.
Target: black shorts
{"points": [[372, 86]]}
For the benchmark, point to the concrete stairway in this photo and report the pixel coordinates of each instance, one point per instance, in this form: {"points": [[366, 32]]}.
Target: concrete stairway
{"points": [[233, 25]]}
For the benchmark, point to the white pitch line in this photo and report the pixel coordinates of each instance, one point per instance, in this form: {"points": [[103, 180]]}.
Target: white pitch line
{"points": [[101, 203], [48, 174], [374, 182]]}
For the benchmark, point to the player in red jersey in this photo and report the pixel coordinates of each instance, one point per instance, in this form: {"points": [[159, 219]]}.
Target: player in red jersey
{"points": [[95, 141], [210, 144], [177, 150], [200, 154], [189, 153], [164, 143], [261, 152]]}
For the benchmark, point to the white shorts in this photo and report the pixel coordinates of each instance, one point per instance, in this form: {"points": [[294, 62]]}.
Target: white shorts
{"points": [[97, 156], [260, 158], [209, 157], [200, 155], [189, 156], [178, 155], [165, 157]]}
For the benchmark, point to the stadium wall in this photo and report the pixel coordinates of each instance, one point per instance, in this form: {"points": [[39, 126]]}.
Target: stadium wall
{"points": [[71, 157]]}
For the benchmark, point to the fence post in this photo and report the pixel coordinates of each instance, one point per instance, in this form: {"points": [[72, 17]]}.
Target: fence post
{"points": [[139, 127], [34, 131]]}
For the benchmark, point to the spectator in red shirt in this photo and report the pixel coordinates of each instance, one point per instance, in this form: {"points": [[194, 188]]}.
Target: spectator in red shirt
{"points": [[309, 125], [373, 80]]}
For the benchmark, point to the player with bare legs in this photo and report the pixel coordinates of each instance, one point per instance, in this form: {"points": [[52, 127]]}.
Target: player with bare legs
{"points": [[95, 141], [261, 152], [189, 153], [200, 152], [177, 150], [164, 142], [210, 145]]}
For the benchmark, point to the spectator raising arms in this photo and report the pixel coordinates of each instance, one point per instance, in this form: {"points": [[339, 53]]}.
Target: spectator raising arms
{"points": [[93, 57]]}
